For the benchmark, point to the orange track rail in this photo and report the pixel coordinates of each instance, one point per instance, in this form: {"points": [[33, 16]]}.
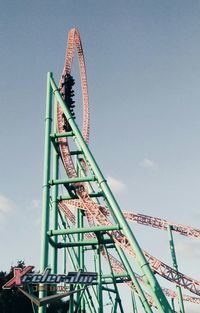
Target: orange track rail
{"points": [[93, 211]]}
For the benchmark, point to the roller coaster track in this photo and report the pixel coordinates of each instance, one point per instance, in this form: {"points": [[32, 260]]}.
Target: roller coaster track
{"points": [[93, 211], [158, 267], [119, 268], [150, 221], [159, 223]]}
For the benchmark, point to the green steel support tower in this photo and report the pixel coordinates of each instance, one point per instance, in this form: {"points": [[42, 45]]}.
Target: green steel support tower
{"points": [[101, 236], [83, 227]]}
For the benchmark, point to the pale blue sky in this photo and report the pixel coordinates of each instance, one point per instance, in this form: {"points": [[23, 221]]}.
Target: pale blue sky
{"points": [[143, 69]]}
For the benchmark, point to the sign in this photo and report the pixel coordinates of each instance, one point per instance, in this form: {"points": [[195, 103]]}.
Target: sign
{"points": [[24, 276]]}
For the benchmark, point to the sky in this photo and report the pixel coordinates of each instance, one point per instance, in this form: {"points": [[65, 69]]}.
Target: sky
{"points": [[143, 69]]}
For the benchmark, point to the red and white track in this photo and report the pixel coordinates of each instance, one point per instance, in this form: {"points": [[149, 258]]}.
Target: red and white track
{"points": [[99, 215], [119, 268]]}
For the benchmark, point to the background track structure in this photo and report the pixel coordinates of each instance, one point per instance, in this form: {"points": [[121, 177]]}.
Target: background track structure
{"points": [[80, 214]]}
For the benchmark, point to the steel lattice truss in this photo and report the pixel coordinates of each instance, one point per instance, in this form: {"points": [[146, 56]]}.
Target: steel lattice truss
{"points": [[87, 193]]}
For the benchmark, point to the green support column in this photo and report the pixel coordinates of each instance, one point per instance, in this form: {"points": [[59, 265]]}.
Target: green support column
{"points": [[150, 279], [141, 295], [54, 200], [134, 302], [46, 188], [64, 241], [81, 253], [99, 287], [65, 258], [118, 299], [175, 266], [80, 237], [71, 301], [173, 306]]}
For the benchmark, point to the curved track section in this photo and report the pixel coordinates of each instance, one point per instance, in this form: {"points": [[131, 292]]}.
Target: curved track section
{"points": [[93, 211], [119, 268], [157, 266], [159, 223], [74, 41], [150, 221]]}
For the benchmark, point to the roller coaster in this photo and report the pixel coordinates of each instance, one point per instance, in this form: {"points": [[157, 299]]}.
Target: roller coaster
{"points": [[82, 224]]}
